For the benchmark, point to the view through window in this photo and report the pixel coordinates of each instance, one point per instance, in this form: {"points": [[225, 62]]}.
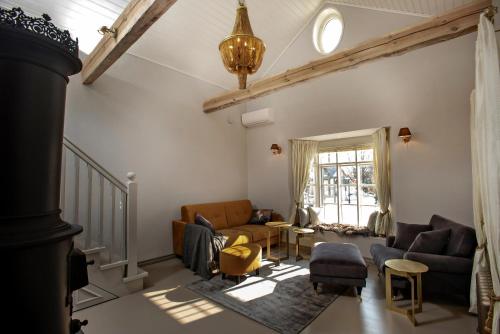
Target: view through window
{"points": [[342, 184]]}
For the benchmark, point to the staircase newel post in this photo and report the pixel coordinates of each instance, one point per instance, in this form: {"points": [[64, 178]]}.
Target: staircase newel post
{"points": [[131, 225]]}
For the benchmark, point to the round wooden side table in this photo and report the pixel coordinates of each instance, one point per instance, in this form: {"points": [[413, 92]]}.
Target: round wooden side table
{"points": [[300, 233], [410, 270]]}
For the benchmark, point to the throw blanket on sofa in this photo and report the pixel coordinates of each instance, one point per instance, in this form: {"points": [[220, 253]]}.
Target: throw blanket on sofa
{"points": [[201, 249]]}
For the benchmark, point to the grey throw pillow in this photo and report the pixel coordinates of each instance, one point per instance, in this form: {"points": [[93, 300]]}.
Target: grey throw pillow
{"points": [[314, 216], [303, 217], [431, 242], [406, 234], [202, 221], [261, 217], [372, 220]]}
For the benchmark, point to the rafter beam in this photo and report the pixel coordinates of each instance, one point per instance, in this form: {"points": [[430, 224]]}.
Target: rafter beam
{"points": [[136, 18], [452, 24]]}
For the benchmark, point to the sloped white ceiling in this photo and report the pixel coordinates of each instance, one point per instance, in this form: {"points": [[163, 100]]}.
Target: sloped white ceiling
{"points": [[413, 7], [186, 38], [81, 17], [188, 35]]}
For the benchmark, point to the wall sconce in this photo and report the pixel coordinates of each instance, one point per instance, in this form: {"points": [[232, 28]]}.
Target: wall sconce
{"points": [[405, 135], [276, 149], [105, 30]]}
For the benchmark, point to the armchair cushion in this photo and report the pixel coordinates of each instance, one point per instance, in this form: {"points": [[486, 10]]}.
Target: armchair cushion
{"points": [[406, 234], [462, 238], [381, 253], [431, 242], [442, 263]]}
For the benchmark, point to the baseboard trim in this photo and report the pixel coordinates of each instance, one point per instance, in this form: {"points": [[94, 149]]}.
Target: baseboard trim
{"points": [[156, 260]]}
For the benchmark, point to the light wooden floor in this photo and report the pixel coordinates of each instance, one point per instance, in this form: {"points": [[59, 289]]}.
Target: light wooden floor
{"points": [[167, 307]]}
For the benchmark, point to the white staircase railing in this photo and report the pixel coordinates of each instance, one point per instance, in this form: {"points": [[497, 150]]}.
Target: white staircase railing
{"points": [[105, 207]]}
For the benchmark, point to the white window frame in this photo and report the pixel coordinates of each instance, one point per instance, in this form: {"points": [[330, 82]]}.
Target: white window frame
{"points": [[318, 185], [323, 18]]}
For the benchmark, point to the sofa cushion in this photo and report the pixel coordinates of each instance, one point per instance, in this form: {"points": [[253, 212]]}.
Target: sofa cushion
{"points": [[233, 234], [337, 260], [381, 253], [431, 242], [462, 241], [214, 212], [258, 232], [406, 234], [442, 263], [238, 212]]}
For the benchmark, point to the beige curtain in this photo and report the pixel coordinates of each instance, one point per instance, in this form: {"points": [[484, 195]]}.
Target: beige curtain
{"points": [[302, 153], [479, 256], [486, 135], [383, 223]]}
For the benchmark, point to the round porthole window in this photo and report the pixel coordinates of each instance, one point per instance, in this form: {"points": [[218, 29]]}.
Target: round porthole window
{"points": [[327, 31]]}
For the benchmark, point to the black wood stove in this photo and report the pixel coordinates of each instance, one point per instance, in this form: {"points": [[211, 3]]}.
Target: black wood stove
{"points": [[39, 268]]}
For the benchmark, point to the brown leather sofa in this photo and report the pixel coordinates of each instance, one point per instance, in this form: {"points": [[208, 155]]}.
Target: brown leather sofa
{"points": [[229, 218]]}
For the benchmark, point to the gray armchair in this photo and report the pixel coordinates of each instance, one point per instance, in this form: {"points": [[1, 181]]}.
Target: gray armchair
{"points": [[449, 273]]}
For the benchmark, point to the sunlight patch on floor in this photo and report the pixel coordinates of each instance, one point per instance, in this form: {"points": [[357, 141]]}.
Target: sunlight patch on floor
{"points": [[183, 311], [255, 287], [246, 290]]}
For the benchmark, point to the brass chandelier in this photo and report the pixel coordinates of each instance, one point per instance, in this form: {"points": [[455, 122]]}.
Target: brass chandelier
{"points": [[242, 52]]}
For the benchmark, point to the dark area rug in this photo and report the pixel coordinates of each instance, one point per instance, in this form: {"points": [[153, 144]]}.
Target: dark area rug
{"points": [[281, 298]]}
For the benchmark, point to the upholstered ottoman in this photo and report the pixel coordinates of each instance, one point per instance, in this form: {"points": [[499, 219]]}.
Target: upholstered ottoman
{"points": [[239, 260], [335, 263]]}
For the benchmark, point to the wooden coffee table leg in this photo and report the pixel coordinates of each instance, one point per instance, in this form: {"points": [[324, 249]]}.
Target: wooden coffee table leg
{"points": [[297, 247], [279, 246], [287, 244], [388, 288], [411, 313], [268, 245], [419, 293]]}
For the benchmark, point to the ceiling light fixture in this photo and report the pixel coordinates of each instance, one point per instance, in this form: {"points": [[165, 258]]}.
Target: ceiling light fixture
{"points": [[242, 52]]}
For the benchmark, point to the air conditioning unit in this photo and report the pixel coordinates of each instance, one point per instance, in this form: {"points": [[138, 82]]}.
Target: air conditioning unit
{"points": [[257, 117]]}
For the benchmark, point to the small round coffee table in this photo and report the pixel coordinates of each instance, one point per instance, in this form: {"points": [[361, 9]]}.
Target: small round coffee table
{"points": [[410, 270], [300, 232]]}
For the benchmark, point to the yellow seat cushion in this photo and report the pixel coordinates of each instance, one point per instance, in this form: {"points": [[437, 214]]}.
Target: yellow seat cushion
{"points": [[240, 259], [258, 232]]}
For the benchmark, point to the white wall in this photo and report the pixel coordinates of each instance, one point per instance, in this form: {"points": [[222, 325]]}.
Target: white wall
{"points": [[145, 118], [427, 90]]}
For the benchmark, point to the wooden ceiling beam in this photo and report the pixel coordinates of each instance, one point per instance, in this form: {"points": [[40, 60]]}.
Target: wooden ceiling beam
{"points": [[452, 24], [135, 19]]}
